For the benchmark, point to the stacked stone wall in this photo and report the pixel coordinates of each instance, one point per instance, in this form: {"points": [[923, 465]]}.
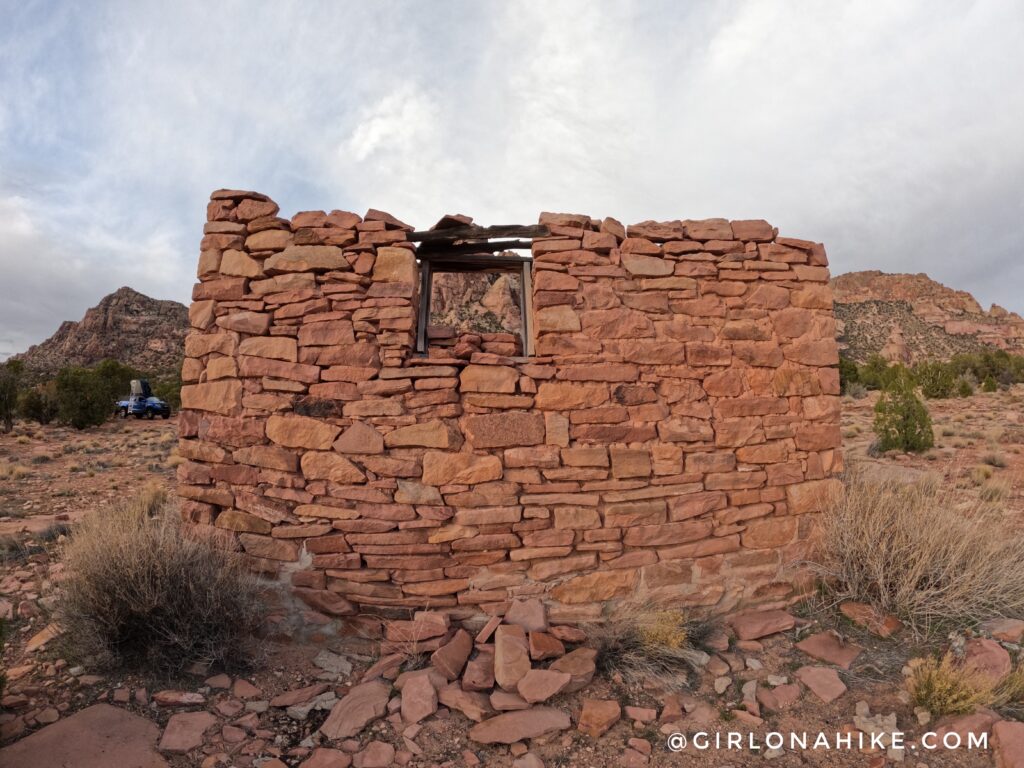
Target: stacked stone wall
{"points": [[670, 440]]}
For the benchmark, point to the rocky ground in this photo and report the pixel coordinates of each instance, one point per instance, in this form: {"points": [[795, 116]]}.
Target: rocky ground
{"points": [[521, 693]]}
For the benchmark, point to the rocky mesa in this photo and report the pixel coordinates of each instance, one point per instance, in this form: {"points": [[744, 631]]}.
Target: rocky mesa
{"points": [[908, 318], [147, 334]]}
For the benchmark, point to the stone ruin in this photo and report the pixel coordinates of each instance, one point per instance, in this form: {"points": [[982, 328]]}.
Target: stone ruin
{"points": [[665, 429]]}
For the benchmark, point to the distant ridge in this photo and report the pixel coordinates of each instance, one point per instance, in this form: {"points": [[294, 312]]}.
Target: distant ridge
{"points": [[147, 334], [907, 318]]}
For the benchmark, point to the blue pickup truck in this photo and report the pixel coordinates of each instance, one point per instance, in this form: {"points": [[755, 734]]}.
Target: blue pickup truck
{"points": [[141, 402]]}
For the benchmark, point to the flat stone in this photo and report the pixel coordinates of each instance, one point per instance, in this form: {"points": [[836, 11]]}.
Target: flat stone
{"points": [[323, 757], [568, 634], [758, 624], [178, 698], [867, 617], [1008, 744], [185, 730], [243, 689], [505, 701], [419, 699], [823, 682], [528, 614], [510, 727], [580, 665], [298, 695], [472, 704], [360, 706], [830, 648], [511, 656], [378, 754], [1007, 630], [987, 657], [450, 658], [598, 715], [539, 685], [220, 682], [100, 736], [479, 674], [780, 698], [545, 646]]}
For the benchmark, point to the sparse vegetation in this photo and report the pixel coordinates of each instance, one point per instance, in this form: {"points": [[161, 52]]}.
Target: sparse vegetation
{"points": [[143, 593], [944, 687], [643, 644], [10, 381], [901, 419], [910, 550]]}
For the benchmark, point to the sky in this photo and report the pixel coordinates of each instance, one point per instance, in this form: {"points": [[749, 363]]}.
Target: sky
{"points": [[890, 131]]}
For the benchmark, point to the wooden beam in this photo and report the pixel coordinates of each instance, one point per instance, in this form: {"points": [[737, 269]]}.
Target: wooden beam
{"points": [[439, 250], [474, 232]]}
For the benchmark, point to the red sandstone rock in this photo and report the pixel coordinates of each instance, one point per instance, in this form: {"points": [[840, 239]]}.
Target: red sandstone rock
{"points": [[184, 731], [511, 656], [824, 682], [419, 699], [1008, 744], [360, 706], [472, 704], [511, 727], [539, 685], [598, 715], [580, 665], [830, 648], [758, 624], [987, 657], [450, 658]]}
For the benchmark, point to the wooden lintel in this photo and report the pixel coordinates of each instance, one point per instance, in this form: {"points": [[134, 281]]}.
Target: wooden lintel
{"points": [[474, 232], [443, 250]]}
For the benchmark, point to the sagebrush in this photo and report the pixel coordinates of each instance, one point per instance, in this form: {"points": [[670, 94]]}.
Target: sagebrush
{"points": [[142, 591], [916, 551]]}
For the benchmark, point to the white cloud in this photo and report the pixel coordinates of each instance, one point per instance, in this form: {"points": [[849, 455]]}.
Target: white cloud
{"points": [[889, 132]]}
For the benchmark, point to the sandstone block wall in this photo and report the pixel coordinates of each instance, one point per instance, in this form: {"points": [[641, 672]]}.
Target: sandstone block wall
{"points": [[671, 439]]}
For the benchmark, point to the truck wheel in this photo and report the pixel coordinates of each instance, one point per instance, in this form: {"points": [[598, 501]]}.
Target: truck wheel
{"points": [[124, 413], [150, 414], [165, 415]]}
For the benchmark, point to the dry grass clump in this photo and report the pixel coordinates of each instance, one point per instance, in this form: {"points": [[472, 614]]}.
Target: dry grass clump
{"points": [[994, 460], [943, 687], [647, 645], [142, 593], [913, 551], [994, 490]]}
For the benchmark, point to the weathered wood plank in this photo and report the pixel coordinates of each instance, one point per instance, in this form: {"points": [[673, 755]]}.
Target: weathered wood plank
{"points": [[474, 232]]}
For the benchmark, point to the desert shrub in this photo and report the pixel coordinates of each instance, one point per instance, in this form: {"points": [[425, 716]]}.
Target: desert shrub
{"points": [[994, 460], [856, 390], [980, 474], [943, 687], [935, 379], [848, 373], [144, 592], [39, 403], [645, 644], [10, 381], [82, 399], [913, 551], [989, 384], [901, 419], [964, 388]]}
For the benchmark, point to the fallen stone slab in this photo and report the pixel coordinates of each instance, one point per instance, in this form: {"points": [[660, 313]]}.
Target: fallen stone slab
{"points": [[178, 698], [511, 727], [450, 658], [866, 616], [362, 705], [298, 695], [528, 614], [580, 665], [472, 704], [1007, 630], [758, 624], [100, 736], [598, 715], [987, 657], [830, 648], [539, 685], [823, 682], [511, 656], [184, 731], [1008, 744], [322, 757], [419, 699]]}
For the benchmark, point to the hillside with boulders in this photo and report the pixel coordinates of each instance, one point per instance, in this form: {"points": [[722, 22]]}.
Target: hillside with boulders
{"points": [[127, 326], [907, 318]]}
